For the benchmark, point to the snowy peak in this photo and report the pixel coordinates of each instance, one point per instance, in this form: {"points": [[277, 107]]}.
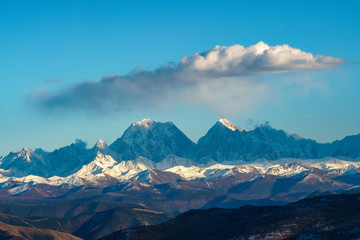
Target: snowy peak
{"points": [[23, 162], [26, 153], [223, 129], [25, 149], [100, 144], [150, 125], [102, 163], [144, 123], [102, 147], [230, 125], [152, 140]]}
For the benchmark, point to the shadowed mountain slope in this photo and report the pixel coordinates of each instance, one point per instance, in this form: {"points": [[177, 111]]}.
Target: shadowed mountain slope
{"points": [[324, 217]]}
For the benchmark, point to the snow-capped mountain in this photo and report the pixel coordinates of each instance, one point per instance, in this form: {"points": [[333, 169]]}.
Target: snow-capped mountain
{"points": [[227, 142], [153, 140], [23, 162], [106, 167], [101, 146], [221, 142], [179, 182], [148, 148]]}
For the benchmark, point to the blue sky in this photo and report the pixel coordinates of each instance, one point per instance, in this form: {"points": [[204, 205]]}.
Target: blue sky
{"points": [[48, 47]]}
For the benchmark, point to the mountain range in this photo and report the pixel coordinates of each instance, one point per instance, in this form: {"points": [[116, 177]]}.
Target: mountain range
{"points": [[228, 167], [156, 141], [154, 171]]}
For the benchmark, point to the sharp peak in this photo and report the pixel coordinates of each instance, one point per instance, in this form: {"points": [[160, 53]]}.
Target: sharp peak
{"points": [[25, 149], [226, 123], [100, 144]]}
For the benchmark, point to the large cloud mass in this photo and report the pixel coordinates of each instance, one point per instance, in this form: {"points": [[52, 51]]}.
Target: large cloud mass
{"points": [[216, 78], [260, 58]]}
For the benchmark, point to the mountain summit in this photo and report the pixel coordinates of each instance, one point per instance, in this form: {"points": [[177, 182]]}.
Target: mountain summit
{"points": [[153, 140], [144, 123], [221, 142], [100, 144], [23, 162]]}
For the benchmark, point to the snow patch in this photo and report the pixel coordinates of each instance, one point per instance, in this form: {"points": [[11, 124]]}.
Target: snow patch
{"points": [[230, 125], [144, 123], [19, 189]]}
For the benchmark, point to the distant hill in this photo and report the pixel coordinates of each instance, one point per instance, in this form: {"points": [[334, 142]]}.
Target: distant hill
{"points": [[324, 217], [89, 221], [13, 232]]}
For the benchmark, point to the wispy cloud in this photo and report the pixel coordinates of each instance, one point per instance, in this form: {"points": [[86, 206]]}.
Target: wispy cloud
{"points": [[53, 80], [218, 78]]}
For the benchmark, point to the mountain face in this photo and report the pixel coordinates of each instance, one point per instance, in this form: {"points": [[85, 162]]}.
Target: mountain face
{"points": [[324, 217], [349, 147], [227, 142], [221, 142], [67, 159], [224, 143], [154, 141], [23, 162]]}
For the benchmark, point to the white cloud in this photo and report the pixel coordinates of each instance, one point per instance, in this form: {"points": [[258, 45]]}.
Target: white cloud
{"points": [[215, 78], [260, 58]]}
